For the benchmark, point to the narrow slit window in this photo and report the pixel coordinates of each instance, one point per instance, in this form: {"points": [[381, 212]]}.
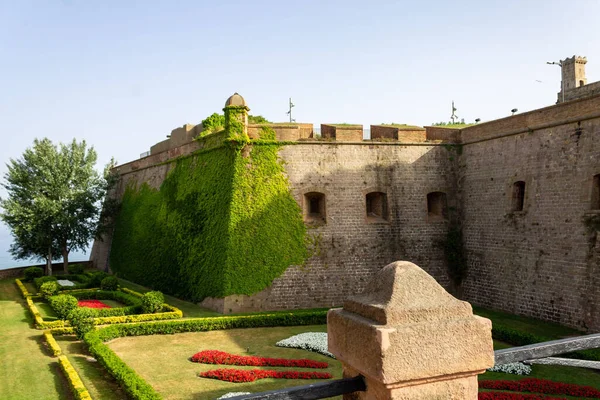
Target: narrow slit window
{"points": [[518, 196], [596, 193], [437, 205], [314, 207], [377, 208]]}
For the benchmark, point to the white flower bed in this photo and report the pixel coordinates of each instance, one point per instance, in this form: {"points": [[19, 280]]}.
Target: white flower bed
{"points": [[65, 282], [311, 341], [517, 368], [233, 394]]}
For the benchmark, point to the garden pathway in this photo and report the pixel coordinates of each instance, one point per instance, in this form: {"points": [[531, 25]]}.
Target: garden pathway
{"points": [[26, 369]]}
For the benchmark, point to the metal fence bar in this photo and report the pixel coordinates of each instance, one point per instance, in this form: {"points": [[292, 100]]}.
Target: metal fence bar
{"points": [[546, 349], [311, 392]]}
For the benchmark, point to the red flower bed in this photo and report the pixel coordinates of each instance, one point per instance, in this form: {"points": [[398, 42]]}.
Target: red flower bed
{"points": [[221, 357], [534, 385], [92, 304], [238, 375], [515, 396]]}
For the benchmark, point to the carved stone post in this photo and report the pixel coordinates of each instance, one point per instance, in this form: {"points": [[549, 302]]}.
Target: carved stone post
{"points": [[410, 339]]}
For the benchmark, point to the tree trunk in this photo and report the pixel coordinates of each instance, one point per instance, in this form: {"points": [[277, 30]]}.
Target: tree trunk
{"points": [[49, 262], [65, 254]]}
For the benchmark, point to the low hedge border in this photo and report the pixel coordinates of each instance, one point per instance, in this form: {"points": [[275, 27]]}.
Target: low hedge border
{"points": [[82, 278], [77, 387], [39, 321], [22, 288], [67, 330], [54, 347], [135, 386], [133, 304]]}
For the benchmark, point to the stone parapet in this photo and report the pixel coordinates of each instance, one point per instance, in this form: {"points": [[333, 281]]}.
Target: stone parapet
{"points": [[410, 339], [342, 133]]}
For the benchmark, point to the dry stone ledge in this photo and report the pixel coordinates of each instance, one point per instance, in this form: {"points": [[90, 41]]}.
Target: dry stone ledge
{"points": [[410, 339], [569, 362]]}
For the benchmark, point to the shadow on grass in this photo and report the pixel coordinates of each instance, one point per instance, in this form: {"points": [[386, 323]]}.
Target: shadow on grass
{"points": [[41, 343], [98, 381], [60, 381]]}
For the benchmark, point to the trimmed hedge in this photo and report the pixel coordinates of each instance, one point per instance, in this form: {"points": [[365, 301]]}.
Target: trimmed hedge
{"points": [[152, 302], [63, 304], [33, 272], [75, 269], [22, 288], [38, 282], [171, 313], [129, 380], [134, 385], [133, 304], [49, 289], [62, 331], [62, 327], [39, 321], [214, 323], [96, 277], [52, 344], [109, 283], [77, 387]]}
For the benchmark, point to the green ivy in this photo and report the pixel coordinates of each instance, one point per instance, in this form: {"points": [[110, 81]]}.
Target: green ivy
{"points": [[223, 222]]}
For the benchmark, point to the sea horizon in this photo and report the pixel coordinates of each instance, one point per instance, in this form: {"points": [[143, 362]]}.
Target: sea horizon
{"points": [[7, 261]]}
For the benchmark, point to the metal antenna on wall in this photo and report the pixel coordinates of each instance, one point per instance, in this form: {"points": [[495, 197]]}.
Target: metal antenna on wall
{"points": [[453, 116], [290, 111], [562, 81]]}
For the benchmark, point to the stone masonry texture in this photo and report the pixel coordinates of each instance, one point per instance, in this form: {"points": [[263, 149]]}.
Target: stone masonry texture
{"points": [[543, 261]]}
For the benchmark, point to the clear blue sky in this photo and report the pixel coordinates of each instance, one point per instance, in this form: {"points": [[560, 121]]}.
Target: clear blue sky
{"points": [[123, 74]]}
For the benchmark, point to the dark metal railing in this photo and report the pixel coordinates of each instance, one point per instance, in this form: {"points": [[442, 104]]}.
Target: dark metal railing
{"points": [[311, 392], [357, 384]]}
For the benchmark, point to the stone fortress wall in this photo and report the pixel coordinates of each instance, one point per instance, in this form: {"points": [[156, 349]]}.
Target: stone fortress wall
{"points": [[521, 188]]}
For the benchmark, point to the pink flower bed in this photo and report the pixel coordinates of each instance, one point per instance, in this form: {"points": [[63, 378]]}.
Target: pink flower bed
{"points": [[92, 304]]}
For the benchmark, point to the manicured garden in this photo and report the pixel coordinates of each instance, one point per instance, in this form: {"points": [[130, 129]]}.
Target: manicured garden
{"points": [[203, 356]]}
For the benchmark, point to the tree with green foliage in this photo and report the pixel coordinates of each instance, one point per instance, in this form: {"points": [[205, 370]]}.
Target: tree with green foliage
{"points": [[54, 200]]}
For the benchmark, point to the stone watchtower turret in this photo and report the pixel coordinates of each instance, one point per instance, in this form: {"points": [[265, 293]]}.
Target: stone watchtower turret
{"points": [[573, 74]]}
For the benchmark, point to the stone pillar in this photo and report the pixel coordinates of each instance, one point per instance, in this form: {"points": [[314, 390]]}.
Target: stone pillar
{"points": [[410, 338]]}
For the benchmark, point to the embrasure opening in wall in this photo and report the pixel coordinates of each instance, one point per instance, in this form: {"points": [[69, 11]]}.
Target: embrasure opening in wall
{"points": [[314, 207], [518, 196], [437, 205], [376, 206]]}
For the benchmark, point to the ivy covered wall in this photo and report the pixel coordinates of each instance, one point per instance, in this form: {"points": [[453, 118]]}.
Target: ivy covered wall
{"points": [[223, 222]]}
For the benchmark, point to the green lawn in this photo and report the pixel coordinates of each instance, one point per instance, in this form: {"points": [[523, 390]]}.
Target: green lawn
{"points": [[99, 383], [526, 324], [162, 360], [26, 370], [190, 310]]}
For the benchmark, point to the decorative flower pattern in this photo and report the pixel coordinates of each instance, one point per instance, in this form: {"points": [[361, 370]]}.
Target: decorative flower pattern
{"points": [[238, 375], [221, 357], [92, 304]]}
